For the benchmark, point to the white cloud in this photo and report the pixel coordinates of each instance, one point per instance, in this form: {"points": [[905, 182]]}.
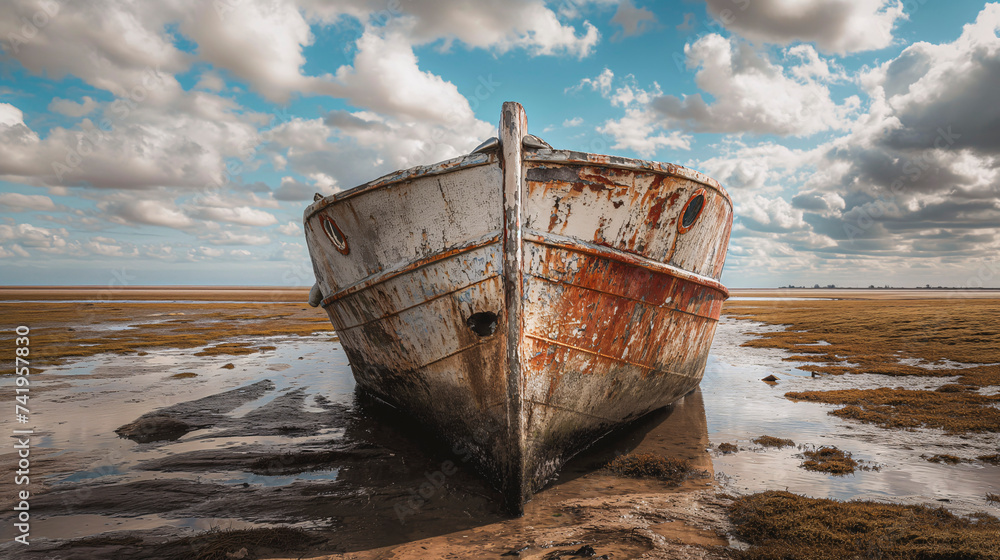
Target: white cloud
{"points": [[111, 46], [24, 237], [838, 26], [107, 247], [600, 83], [71, 108], [753, 94], [290, 229], [232, 39], [386, 78], [179, 139], [146, 212], [17, 202], [204, 253], [575, 121], [527, 24], [638, 130], [243, 215], [10, 115], [769, 214], [228, 237]]}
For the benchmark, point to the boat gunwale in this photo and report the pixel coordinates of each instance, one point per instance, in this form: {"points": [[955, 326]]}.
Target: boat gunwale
{"points": [[468, 161], [572, 157], [565, 157]]}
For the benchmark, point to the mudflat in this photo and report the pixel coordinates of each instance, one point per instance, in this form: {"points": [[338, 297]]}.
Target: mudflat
{"points": [[223, 423]]}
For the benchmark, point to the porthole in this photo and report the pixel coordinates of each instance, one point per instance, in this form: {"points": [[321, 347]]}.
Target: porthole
{"points": [[692, 209], [336, 236]]}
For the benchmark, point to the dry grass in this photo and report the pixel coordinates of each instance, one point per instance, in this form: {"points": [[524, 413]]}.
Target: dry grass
{"points": [[184, 375], [956, 413], [68, 330], [781, 525], [992, 498], [649, 465], [963, 330], [771, 441], [829, 459]]}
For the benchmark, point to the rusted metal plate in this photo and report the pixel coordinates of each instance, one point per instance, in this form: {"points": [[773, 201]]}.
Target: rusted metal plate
{"points": [[632, 210], [522, 302]]}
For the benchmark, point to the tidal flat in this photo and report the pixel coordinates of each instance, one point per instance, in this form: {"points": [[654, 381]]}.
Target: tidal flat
{"points": [[199, 422]]}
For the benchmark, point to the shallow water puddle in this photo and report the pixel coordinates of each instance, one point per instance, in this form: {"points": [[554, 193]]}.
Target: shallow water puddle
{"points": [[740, 407]]}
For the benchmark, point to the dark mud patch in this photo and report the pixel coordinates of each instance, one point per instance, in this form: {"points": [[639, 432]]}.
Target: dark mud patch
{"points": [[172, 422], [784, 525], [308, 460], [285, 415], [155, 428], [264, 461]]}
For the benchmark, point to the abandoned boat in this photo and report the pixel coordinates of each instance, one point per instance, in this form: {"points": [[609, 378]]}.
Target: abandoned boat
{"points": [[522, 301]]}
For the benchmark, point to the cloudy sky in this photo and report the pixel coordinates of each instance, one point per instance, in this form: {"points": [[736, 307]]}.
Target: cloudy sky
{"points": [[177, 142]]}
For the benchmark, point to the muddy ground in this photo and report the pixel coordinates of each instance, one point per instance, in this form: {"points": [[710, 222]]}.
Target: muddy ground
{"points": [[156, 433]]}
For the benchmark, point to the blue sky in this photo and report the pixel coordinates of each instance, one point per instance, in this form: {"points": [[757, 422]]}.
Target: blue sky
{"points": [[178, 142]]}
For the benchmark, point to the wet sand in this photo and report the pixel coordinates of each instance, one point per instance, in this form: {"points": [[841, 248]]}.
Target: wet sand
{"points": [[281, 439]]}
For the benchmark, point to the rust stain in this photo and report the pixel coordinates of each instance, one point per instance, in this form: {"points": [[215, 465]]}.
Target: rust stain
{"points": [[554, 217]]}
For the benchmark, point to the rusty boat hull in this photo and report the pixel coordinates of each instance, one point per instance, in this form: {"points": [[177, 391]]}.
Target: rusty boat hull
{"points": [[521, 301]]}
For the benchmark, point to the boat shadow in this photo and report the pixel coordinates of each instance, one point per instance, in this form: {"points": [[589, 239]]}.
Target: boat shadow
{"points": [[417, 488]]}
